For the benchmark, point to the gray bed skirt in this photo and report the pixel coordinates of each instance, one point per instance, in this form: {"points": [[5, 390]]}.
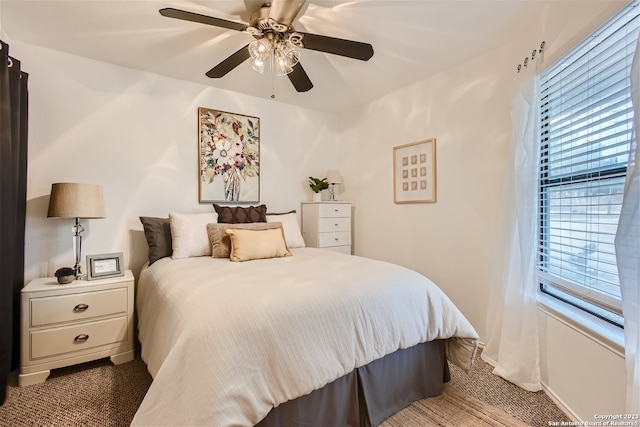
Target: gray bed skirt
{"points": [[370, 394]]}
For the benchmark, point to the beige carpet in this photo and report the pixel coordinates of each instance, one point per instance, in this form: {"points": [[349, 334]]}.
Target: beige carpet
{"points": [[91, 394], [100, 394], [451, 408]]}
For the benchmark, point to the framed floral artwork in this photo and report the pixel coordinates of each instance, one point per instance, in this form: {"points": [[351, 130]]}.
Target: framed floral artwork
{"points": [[229, 160], [414, 172]]}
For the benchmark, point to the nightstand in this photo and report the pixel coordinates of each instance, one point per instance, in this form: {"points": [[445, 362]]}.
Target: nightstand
{"points": [[327, 225], [62, 325]]}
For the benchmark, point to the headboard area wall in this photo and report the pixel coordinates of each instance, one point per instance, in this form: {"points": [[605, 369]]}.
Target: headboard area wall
{"points": [[136, 135]]}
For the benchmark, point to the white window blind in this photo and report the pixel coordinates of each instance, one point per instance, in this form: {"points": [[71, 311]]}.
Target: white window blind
{"points": [[586, 128]]}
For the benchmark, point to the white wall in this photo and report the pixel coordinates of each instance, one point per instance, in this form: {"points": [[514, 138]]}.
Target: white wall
{"points": [[582, 372], [459, 241], [135, 134]]}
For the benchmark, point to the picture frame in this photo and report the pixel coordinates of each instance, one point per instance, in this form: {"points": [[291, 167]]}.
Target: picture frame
{"points": [[229, 157], [103, 266], [414, 172]]}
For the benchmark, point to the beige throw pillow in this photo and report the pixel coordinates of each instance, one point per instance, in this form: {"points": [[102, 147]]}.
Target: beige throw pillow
{"points": [[220, 241], [247, 245]]}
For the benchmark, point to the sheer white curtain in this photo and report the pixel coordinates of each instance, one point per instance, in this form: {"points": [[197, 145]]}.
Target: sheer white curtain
{"points": [[512, 344], [628, 251]]}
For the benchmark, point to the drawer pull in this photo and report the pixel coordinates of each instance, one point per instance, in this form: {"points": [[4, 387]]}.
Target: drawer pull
{"points": [[81, 338], [80, 308], [336, 239]]}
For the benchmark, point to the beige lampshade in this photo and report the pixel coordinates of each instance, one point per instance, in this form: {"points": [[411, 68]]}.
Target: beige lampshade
{"points": [[333, 177], [72, 200]]}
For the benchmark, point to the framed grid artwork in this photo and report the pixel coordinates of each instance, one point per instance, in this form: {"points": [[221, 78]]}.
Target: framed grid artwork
{"points": [[414, 172]]}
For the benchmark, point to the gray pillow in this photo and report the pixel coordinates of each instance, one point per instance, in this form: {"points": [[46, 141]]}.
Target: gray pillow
{"points": [[157, 231]]}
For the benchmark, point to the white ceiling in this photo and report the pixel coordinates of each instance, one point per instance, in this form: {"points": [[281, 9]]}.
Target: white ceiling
{"points": [[411, 40]]}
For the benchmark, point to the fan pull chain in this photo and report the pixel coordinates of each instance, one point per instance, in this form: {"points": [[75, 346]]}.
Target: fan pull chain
{"points": [[273, 91]]}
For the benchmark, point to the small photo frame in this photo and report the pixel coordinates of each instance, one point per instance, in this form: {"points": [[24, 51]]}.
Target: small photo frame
{"points": [[104, 266], [418, 186]]}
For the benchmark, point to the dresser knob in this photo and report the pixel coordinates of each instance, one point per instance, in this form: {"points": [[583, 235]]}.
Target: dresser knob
{"points": [[80, 308], [81, 338]]}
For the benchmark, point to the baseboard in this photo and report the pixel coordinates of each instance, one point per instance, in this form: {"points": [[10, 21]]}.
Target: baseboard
{"points": [[560, 404], [554, 397]]}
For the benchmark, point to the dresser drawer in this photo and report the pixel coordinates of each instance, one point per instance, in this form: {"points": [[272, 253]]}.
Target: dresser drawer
{"points": [[334, 224], [80, 306], [50, 342], [342, 249], [327, 225], [339, 238], [334, 210]]}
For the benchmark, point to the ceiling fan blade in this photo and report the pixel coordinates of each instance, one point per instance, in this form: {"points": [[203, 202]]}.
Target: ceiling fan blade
{"points": [[285, 11], [170, 12], [300, 79], [229, 64], [336, 46]]}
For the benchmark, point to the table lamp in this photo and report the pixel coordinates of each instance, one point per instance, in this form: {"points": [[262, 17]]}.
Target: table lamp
{"points": [[333, 178], [72, 200]]}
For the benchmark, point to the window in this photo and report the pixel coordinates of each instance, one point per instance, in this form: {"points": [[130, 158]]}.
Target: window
{"points": [[586, 128]]}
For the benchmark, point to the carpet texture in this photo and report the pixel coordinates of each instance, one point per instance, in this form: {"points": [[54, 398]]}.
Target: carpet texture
{"points": [[101, 394], [451, 408], [536, 409], [91, 394]]}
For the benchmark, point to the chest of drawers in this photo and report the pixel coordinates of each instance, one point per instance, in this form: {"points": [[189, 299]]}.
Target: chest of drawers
{"points": [[327, 225], [63, 325]]}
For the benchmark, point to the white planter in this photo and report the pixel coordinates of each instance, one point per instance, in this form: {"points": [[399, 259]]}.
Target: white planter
{"points": [[317, 197]]}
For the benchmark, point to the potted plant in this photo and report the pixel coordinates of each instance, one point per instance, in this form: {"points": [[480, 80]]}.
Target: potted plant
{"points": [[317, 185]]}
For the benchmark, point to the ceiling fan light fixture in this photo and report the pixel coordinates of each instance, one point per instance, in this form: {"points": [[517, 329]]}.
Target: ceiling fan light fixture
{"points": [[282, 54], [257, 65], [277, 41], [260, 51], [286, 56]]}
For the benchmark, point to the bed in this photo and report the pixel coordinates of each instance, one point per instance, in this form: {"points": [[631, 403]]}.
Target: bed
{"points": [[312, 338]]}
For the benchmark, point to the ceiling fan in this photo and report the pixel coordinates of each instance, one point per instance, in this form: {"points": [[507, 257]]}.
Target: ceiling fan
{"points": [[276, 43]]}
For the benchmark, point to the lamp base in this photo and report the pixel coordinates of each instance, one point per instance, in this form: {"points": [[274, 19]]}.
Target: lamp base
{"points": [[77, 242], [332, 192]]}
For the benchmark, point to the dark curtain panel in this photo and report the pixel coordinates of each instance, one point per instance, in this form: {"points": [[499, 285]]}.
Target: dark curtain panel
{"points": [[13, 191]]}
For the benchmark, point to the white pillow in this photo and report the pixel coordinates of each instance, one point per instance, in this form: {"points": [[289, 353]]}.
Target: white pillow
{"points": [[189, 234], [292, 233]]}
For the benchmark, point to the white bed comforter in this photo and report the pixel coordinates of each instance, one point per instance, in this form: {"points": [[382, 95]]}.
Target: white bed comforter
{"points": [[225, 342]]}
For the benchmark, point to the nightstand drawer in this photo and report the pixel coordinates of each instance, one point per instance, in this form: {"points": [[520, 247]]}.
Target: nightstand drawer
{"points": [[85, 305], [52, 342], [339, 238], [334, 224], [334, 210]]}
